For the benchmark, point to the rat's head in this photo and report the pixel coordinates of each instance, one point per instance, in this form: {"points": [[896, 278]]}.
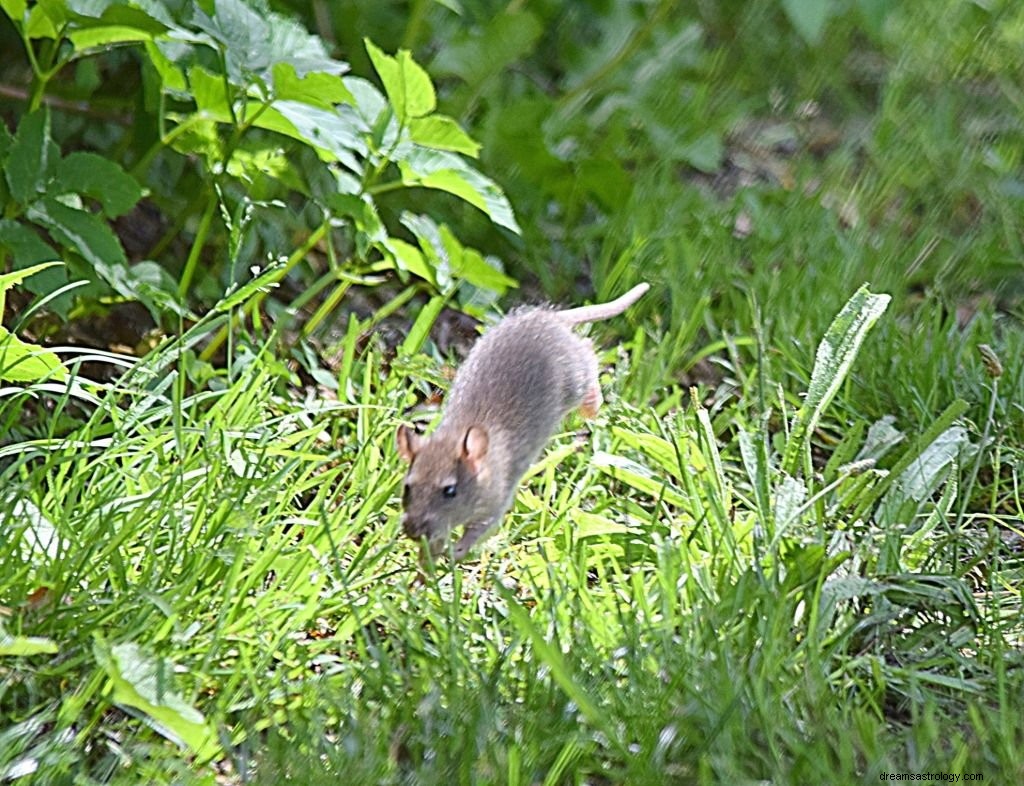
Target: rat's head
{"points": [[446, 484]]}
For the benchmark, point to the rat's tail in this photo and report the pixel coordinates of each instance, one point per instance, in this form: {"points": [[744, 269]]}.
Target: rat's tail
{"points": [[599, 311]]}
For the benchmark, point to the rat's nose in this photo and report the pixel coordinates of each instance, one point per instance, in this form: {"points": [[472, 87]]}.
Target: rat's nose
{"points": [[412, 527]]}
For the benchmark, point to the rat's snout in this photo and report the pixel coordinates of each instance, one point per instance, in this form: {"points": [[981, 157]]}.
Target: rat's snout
{"points": [[414, 527]]}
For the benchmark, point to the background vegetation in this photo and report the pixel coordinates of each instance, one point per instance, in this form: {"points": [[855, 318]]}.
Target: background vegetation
{"points": [[790, 549]]}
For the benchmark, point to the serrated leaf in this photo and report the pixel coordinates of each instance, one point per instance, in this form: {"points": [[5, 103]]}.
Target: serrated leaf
{"points": [[447, 172], [254, 41], [32, 157], [333, 131], [97, 24], [24, 362], [210, 93], [808, 17], [442, 133], [20, 646], [407, 257], [409, 89], [317, 88], [27, 250], [83, 233], [103, 180], [142, 682], [832, 362]]}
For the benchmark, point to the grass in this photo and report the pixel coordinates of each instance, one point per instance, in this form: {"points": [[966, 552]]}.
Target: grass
{"points": [[805, 572]]}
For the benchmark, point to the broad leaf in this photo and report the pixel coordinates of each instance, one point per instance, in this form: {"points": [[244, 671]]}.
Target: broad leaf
{"points": [[447, 172], [317, 88], [27, 250], [102, 179], [83, 233], [24, 362], [408, 86], [32, 158], [25, 645], [442, 133], [143, 683], [832, 363]]}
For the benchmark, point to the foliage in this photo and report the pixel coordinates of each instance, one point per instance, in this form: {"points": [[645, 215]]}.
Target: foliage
{"points": [[269, 119]]}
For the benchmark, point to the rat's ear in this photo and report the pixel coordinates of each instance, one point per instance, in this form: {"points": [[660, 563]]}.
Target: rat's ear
{"points": [[408, 442], [474, 447]]}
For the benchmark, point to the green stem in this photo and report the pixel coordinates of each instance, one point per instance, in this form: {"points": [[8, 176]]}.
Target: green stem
{"points": [[197, 247]]}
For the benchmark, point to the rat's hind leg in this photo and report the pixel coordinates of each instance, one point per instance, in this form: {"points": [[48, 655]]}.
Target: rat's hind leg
{"points": [[591, 403], [592, 398]]}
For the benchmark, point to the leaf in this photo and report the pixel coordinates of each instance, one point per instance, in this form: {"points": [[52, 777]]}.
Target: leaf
{"points": [[447, 172], [442, 133], [8, 280], [98, 24], [83, 233], [31, 158], [476, 56], [317, 89], [142, 682], [103, 180], [335, 131], [151, 285], [25, 645], [407, 257], [15, 9], [808, 17], [832, 362], [408, 86], [591, 525], [27, 249], [24, 362], [637, 476], [926, 472], [253, 41]]}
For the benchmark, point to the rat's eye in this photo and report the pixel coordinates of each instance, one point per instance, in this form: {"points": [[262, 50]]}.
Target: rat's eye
{"points": [[406, 494], [449, 491]]}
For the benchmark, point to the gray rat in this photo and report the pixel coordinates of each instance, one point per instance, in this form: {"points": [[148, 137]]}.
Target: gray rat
{"points": [[520, 380]]}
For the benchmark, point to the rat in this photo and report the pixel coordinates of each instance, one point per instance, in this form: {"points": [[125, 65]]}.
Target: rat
{"points": [[521, 378]]}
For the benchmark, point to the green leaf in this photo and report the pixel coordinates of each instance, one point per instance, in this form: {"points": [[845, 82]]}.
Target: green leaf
{"points": [[25, 645], [142, 682], [447, 172], [82, 233], [317, 88], [832, 362], [476, 56], [335, 132], [407, 257], [408, 86], [103, 180], [27, 250], [442, 133], [31, 158], [15, 9], [253, 41], [808, 17], [98, 24], [8, 280], [151, 285], [637, 476], [24, 362]]}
